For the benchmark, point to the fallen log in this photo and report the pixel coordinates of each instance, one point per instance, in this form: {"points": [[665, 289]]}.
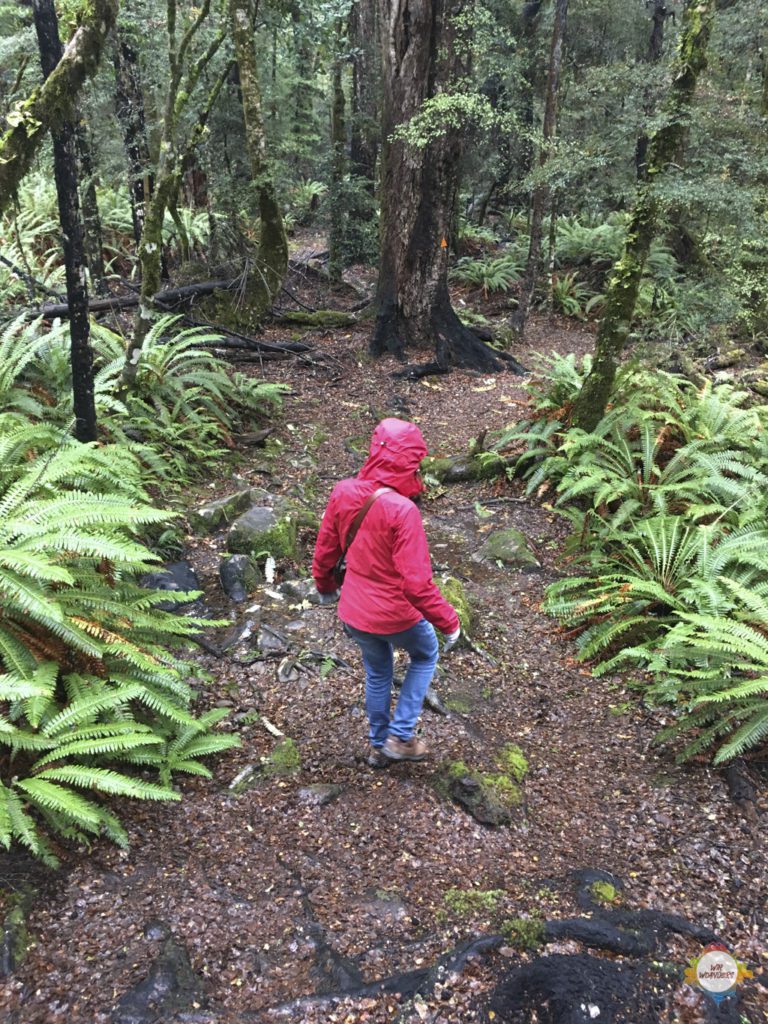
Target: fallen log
{"points": [[170, 297]]}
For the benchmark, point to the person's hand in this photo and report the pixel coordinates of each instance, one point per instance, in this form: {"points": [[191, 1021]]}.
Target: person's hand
{"points": [[451, 639], [331, 598]]}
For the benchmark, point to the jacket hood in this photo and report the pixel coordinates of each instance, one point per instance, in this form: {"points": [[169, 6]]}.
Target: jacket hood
{"points": [[397, 448]]}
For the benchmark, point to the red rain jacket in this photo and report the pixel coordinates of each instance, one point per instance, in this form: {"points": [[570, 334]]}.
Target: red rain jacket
{"points": [[388, 586]]}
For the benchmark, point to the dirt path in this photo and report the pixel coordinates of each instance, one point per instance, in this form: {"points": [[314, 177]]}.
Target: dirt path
{"points": [[276, 899]]}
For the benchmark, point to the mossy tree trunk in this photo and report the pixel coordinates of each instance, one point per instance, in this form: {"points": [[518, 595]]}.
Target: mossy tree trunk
{"points": [[418, 191], [665, 148], [52, 102], [184, 75], [336, 235], [541, 191], [65, 173], [655, 47], [272, 266]]}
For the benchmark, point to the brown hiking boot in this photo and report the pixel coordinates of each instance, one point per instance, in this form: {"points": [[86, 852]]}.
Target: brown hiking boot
{"points": [[376, 758], [404, 750]]}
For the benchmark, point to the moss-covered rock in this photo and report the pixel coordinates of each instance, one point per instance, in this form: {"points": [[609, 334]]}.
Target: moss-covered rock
{"points": [[509, 546], [458, 468], [269, 527], [454, 593], [214, 514], [491, 798]]}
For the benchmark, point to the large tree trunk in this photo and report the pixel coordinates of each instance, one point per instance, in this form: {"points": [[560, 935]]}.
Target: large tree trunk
{"points": [[541, 191], [129, 106], [273, 244], [65, 172], [665, 148], [418, 192], [52, 102]]}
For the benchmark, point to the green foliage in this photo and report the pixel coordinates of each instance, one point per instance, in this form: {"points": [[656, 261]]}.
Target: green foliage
{"points": [[492, 274], [180, 414], [525, 934], [88, 690], [573, 298], [668, 499]]}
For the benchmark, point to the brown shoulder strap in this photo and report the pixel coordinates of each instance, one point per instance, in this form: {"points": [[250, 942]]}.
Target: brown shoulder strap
{"points": [[357, 521]]}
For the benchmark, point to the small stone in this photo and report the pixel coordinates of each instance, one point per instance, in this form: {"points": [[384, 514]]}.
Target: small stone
{"points": [[156, 929], [320, 793]]}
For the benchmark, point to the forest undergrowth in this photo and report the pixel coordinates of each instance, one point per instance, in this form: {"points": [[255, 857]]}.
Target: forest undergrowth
{"points": [[287, 899]]}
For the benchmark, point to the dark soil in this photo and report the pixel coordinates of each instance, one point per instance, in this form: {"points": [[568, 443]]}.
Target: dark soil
{"points": [[281, 902]]}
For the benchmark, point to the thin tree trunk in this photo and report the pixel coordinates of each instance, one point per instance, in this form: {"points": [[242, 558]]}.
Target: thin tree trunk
{"points": [[364, 139], [129, 106], [541, 191], [65, 172], [273, 244], [93, 237], [655, 48], [664, 148], [184, 74], [336, 237], [52, 102], [418, 191]]}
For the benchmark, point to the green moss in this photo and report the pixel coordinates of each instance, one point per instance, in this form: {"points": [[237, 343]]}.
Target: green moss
{"points": [[525, 934], [499, 787], [284, 759], [513, 761], [454, 593], [461, 705], [468, 902], [604, 892]]}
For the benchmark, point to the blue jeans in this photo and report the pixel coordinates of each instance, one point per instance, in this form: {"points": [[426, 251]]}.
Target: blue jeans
{"points": [[421, 644]]}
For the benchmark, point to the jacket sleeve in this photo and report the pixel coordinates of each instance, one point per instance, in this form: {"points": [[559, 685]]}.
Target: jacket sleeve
{"points": [[410, 555], [328, 549]]}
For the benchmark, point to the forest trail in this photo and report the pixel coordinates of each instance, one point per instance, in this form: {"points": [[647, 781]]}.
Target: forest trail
{"points": [[284, 901]]}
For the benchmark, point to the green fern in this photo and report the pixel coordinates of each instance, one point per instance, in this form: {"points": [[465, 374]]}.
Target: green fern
{"points": [[87, 683]]}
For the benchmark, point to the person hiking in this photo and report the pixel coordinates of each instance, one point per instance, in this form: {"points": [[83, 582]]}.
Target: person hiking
{"points": [[388, 598]]}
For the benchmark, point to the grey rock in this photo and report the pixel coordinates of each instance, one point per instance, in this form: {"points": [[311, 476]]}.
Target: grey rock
{"points": [[509, 546], [272, 642], [264, 529], [175, 577], [156, 929], [170, 987], [238, 576], [320, 793], [215, 514]]}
